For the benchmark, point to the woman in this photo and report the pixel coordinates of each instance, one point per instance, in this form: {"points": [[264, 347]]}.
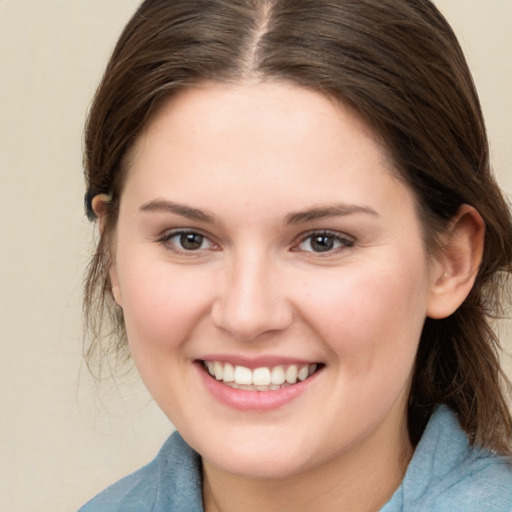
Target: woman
{"points": [[301, 245]]}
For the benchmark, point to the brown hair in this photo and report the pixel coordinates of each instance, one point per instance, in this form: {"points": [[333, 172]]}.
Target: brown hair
{"points": [[399, 65]]}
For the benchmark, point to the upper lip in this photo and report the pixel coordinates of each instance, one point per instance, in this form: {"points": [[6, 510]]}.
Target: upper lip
{"points": [[256, 362]]}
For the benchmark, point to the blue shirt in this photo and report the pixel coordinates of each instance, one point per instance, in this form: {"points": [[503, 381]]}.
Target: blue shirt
{"points": [[444, 475]]}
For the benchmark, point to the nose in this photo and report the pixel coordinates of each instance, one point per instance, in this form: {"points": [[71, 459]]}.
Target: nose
{"points": [[251, 301]]}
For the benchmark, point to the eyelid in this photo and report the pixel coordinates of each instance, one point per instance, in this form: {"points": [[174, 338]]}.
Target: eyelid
{"points": [[165, 238], [345, 240]]}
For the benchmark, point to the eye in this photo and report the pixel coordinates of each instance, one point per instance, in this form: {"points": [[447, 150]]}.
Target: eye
{"points": [[186, 241], [324, 242]]}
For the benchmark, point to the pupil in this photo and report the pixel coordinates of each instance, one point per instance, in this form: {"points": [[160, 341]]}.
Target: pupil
{"points": [[191, 241], [322, 243]]}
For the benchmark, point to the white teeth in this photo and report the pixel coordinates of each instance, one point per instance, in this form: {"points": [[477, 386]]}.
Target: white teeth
{"points": [[243, 375], [277, 377], [229, 373], [260, 379], [303, 373], [218, 370], [291, 374]]}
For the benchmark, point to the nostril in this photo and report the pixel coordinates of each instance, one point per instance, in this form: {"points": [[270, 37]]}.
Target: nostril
{"points": [[246, 321], [249, 301]]}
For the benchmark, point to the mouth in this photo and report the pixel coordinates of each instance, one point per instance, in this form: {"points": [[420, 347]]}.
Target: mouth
{"points": [[264, 378]]}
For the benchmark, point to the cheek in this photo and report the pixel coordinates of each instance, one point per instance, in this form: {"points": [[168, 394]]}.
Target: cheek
{"points": [[162, 305], [370, 317]]}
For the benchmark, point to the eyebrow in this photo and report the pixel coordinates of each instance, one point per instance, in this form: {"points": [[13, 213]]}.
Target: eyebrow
{"points": [[162, 205], [322, 212]]}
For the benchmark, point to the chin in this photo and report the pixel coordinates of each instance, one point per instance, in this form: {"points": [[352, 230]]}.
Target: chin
{"points": [[260, 455], [268, 467]]}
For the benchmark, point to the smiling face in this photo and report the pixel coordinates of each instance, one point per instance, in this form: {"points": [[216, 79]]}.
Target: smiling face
{"points": [[264, 238]]}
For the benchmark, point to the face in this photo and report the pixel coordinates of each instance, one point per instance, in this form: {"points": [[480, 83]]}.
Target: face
{"points": [[273, 278]]}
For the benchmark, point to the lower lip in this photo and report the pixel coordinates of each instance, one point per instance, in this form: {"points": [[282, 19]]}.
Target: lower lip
{"points": [[254, 400]]}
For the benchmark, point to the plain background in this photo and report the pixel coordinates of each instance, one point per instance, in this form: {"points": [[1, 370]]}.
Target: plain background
{"points": [[63, 438]]}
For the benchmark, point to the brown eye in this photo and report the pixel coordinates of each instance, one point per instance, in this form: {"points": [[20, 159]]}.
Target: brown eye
{"points": [[186, 241], [324, 242], [191, 241]]}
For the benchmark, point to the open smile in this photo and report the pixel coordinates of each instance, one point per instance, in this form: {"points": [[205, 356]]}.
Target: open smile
{"points": [[263, 378], [257, 384]]}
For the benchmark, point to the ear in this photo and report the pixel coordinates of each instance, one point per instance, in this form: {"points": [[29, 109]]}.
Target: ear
{"points": [[456, 268], [100, 207]]}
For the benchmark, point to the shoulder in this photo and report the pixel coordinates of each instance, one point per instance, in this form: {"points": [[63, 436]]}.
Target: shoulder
{"points": [[481, 484], [172, 481], [447, 474]]}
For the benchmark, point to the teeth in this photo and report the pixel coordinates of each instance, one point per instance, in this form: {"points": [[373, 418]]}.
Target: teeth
{"points": [[229, 373], [218, 370], [243, 375], [303, 373], [259, 379], [291, 374], [277, 377]]}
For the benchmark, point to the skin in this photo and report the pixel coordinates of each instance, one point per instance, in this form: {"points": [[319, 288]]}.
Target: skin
{"points": [[250, 157]]}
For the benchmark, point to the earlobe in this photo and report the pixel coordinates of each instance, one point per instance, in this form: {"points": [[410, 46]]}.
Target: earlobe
{"points": [[457, 266]]}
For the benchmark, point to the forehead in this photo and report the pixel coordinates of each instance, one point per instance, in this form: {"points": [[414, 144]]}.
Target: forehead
{"points": [[252, 142], [272, 105]]}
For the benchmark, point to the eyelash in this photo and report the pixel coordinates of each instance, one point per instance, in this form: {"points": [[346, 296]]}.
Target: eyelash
{"points": [[340, 242], [166, 240], [343, 241]]}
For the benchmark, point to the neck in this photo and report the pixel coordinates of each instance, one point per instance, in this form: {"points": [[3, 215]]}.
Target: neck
{"points": [[361, 479]]}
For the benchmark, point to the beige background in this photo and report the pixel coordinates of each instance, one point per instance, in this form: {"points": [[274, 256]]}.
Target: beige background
{"points": [[61, 440]]}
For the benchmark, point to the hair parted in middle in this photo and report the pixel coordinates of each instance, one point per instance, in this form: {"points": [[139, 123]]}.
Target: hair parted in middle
{"points": [[398, 65]]}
